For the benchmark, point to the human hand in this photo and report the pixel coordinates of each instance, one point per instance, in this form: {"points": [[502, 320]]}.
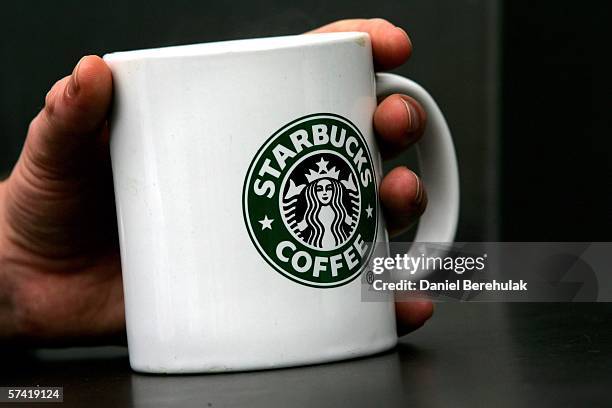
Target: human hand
{"points": [[60, 272]]}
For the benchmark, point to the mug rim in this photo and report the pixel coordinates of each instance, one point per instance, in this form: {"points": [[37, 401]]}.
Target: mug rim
{"points": [[249, 45]]}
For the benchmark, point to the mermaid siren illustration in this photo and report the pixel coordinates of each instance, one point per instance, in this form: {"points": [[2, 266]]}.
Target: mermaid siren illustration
{"points": [[323, 209]]}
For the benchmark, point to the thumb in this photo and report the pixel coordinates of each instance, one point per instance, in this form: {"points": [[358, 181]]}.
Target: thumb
{"points": [[65, 133], [63, 170]]}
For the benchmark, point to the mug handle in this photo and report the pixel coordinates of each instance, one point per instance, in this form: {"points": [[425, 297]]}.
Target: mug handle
{"points": [[437, 163]]}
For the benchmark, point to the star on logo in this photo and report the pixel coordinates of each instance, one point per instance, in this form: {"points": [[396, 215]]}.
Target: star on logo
{"points": [[368, 210], [322, 165], [266, 223]]}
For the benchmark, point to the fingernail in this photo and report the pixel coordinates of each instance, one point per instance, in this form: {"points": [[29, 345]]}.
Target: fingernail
{"points": [[420, 197], [73, 84], [405, 35], [414, 117]]}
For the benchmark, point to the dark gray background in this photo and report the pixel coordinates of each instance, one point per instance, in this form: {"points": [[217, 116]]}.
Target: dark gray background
{"points": [[456, 58]]}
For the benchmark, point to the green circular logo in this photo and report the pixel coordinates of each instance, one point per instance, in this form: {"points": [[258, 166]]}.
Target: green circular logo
{"points": [[310, 201]]}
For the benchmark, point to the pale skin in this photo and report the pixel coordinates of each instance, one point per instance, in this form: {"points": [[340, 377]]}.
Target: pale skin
{"points": [[60, 273]]}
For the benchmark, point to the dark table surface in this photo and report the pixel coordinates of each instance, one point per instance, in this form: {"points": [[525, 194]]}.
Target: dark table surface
{"points": [[469, 355]]}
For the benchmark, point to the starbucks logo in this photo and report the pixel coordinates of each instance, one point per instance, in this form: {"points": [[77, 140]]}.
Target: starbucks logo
{"points": [[310, 201], [318, 206]]}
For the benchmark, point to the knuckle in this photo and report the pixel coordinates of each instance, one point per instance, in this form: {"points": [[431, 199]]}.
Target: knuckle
{"points": [[52, 95], [50, 102]]}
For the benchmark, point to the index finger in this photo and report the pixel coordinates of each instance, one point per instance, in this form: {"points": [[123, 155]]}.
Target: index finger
{"points": [[391, 45]]}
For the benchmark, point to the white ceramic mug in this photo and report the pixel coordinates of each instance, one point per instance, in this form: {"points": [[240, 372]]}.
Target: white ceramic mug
{"points": [[246, 176]]}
